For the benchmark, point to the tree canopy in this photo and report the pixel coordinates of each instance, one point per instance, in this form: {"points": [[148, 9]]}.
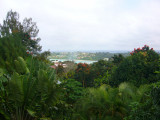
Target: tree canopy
{"points": [[28, 30], [139, 68]]}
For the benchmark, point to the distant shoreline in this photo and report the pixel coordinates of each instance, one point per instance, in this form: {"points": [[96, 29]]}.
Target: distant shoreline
{"points": [[92, 51], [95, 51], [75, 60]]}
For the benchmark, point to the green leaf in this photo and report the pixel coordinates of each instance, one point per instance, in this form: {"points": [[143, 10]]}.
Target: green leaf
{"points": [[31, 112]]}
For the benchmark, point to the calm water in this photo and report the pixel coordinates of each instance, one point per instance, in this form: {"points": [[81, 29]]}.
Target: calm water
{"points": [[76, 61]]}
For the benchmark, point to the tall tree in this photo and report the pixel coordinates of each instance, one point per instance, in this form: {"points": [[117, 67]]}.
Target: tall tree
{"points": [[82, 73], [10, 24], [28, 29], [139, 68]]}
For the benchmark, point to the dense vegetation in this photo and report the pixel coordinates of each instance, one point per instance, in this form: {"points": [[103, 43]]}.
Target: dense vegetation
{"points": [[124, 88]]}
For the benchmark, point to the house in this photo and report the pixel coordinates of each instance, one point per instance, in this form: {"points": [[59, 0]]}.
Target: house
{"points": [[106, 59]]}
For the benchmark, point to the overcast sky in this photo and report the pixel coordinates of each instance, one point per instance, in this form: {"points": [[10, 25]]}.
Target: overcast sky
{"points": [[91, 24]]}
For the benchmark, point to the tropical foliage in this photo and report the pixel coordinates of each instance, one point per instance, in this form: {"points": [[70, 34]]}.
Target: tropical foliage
{"points": [[123, 88], [139, 68]]}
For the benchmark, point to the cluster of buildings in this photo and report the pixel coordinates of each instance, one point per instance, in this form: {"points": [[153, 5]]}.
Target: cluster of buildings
{"points": [[57, 63]]}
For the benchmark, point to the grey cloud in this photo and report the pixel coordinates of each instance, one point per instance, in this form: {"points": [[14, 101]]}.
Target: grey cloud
{"points": [[92, 24]]}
